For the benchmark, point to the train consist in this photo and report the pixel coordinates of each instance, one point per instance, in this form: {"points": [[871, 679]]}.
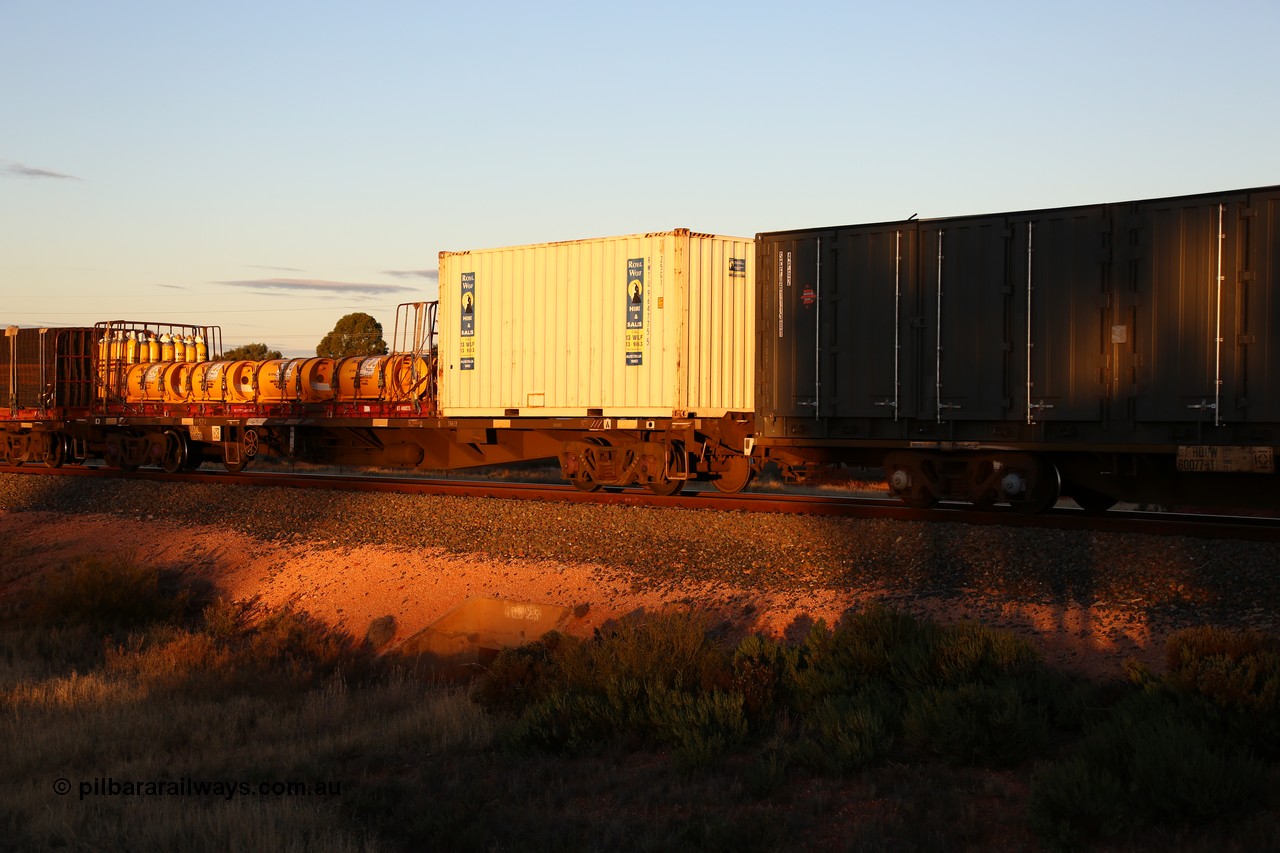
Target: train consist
{"points": [[1121, 351]]}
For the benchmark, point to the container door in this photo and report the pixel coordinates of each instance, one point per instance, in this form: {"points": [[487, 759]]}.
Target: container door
{"points": [[1177, 368], [787, 270], [866, 311], [965, 291], [1060, 263], [1255, 225]]}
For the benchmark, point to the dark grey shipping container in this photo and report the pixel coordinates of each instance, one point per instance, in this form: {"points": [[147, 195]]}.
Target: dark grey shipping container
{"points": [[1140, 323]]}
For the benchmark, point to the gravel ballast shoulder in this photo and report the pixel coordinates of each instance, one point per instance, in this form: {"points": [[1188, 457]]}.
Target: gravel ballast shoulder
{"points": [[1171, 581]]}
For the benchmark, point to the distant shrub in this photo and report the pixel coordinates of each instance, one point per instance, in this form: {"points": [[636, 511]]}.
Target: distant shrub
{"points": [[1238, 673], [762, 668], [521, 676], [659, 680], [1077, 800], [1154, 760], [668, 649], [243, 649], [108, 595], [845, 734], [976, 723], [701, 727]]}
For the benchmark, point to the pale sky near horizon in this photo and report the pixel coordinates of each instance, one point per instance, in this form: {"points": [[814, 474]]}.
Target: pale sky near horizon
{"points": [[270, 166]]}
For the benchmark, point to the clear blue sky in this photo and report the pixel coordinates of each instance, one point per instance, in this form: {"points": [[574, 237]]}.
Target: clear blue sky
{"points": [[270, 166]]}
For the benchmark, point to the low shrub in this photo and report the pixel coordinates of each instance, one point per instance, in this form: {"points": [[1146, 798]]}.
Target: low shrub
{"points": [[843, 735], [976, 723], [761, 673], [108, 595], [1238, 674], [1155, 760]]}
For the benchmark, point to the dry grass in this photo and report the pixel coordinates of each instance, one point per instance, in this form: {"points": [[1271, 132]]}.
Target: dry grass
{"points": [[705, 744]]}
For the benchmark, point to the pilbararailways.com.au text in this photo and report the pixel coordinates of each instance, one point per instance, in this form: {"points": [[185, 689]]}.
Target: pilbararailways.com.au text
{"points": [[187, 787]]}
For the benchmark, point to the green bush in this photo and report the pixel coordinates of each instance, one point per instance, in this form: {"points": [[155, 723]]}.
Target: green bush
{"points": [[108, 595], [658, 680], [1076, 800], [761, 673], [1238, 673], [669, 649], [1180, 774], [1159, 760], [522, 676], [700, 727], [976, 723], [846, 734]]}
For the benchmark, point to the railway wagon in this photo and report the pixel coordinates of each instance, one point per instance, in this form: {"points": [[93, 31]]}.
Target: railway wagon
{"points": [[1113, 351], [628, 358], [46, 383], [631, 356]]}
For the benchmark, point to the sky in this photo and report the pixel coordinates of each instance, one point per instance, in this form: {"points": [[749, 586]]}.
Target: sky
{"points": [[268, 167]]}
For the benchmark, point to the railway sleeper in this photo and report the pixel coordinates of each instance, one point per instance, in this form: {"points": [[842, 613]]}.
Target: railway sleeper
{"points": [[1027, 482]]}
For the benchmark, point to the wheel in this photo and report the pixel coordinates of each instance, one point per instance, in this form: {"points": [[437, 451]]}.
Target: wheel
{"points": [[176, 451], [1090, 500], [584, 483], [235, 467], [665, 488], [920, 500], [1043, 494], [195, 456], [115, 454], [734, 475], [56, 455], [907, 484]]}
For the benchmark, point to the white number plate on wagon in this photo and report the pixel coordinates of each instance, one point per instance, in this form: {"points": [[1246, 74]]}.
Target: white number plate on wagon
{"points": [[1221, 460]]}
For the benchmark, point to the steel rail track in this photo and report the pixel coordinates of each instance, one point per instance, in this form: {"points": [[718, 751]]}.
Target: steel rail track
{"points": [[1196, 525]]}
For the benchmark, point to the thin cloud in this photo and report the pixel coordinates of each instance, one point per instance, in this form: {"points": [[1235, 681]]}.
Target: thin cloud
{"points": [[317, 286], [273, 269], [20, 170], [432, 275], [171, 286]]}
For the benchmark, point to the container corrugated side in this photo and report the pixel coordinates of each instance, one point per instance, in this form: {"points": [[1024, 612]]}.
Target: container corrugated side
{"points": [[643, 325]]}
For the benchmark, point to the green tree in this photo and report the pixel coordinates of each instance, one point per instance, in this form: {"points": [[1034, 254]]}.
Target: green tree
{"points": [[250, 352], [355, 334]]}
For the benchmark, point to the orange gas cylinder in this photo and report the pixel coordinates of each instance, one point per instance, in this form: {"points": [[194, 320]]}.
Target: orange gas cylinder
{"points": [[207, 382], [271, 385], [153, 382], [166, 347], [190, 343], [130, 348], [176, 385], [202, 349], [135, 387], [179, 349], [240, 381], [359, 377], [312, 379], [403, 376], [153, 348]]}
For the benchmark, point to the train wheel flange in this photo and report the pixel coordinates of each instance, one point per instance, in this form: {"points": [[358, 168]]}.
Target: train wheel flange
{"points": [[664, 487], [56, 454], [176, 452], [732, 474]]}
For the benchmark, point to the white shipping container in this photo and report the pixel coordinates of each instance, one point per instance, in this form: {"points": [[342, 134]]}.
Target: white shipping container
{"points": [[646, 325]]}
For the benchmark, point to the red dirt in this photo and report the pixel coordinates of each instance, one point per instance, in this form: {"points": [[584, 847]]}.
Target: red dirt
{"points": [[350, 587]]}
